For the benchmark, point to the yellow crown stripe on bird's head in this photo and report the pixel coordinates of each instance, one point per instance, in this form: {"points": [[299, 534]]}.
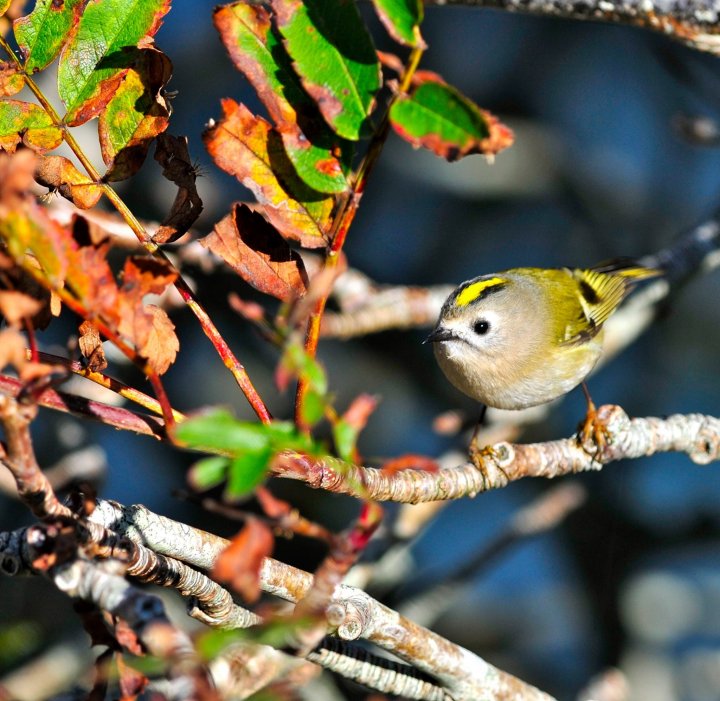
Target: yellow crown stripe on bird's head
{"points": [[475, 290]]}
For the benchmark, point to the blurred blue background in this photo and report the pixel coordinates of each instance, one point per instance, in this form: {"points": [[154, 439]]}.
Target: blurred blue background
{"points": [[598, 171]]}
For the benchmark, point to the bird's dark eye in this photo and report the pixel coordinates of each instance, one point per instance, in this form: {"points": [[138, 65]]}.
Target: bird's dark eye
{"points": [[481, 327]]}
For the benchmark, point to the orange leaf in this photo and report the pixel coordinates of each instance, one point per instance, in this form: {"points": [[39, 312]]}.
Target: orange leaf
{"points": [[247, 147], [12, 80], [239, 564], [359, 411], [161, 344], [257, 252], [147, 326], [12, 349], [16, 306]]}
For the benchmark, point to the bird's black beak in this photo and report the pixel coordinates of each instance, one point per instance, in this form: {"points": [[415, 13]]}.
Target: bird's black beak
{"points": [[439, 333]]}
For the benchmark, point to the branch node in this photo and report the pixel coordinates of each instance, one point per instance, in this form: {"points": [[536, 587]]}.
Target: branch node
{"points": [[354, 622]]}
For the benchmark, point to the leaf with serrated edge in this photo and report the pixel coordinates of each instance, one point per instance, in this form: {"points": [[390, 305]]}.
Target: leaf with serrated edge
{"points": [[136, 114], [334, 56], [438, 117], [93, 62], [41, 34], [258, 53], [29, 123], [248, 148], [252, 247], [402, 20]]}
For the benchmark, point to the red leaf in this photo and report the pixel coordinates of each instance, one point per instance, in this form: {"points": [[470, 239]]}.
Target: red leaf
{"points": [[359, 411], [257, 252], [239, 564]]}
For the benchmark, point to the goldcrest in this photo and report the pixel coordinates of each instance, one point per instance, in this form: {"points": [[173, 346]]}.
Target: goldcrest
{"points": [[525, 336]]}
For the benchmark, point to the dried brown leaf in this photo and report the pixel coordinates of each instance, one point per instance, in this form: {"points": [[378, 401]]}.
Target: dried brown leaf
{"points": [[258, 253], [171, 152], [91, 348], [58, 173]]}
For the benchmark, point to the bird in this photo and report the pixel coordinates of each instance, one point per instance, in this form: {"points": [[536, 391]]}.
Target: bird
{"points": [[525, 336]]}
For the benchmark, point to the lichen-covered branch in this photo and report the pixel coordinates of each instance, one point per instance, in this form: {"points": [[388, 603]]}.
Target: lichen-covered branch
{"points": [[356, 615], [696, 435], [693, 22]]}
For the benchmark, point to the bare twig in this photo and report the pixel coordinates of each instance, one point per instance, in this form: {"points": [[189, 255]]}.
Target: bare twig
{"points": [[18, 456], [696, 435], [693, 22]]}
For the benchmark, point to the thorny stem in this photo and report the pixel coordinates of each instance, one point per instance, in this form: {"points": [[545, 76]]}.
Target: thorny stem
{"points": [[229, 360], [343, 219]]}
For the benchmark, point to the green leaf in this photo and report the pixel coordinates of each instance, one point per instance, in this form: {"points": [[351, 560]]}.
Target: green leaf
{"points": [[41, 34], [18, 640], [135, 115], [335, 58], [443, 120], [257, 51], [100, 52], [29, 123], [284, 435], [313, 407], [345, 437], [247, 471], [220, 430], [275, 633], [402, 20], [208, 473], [4, 5], [297, 361]]}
